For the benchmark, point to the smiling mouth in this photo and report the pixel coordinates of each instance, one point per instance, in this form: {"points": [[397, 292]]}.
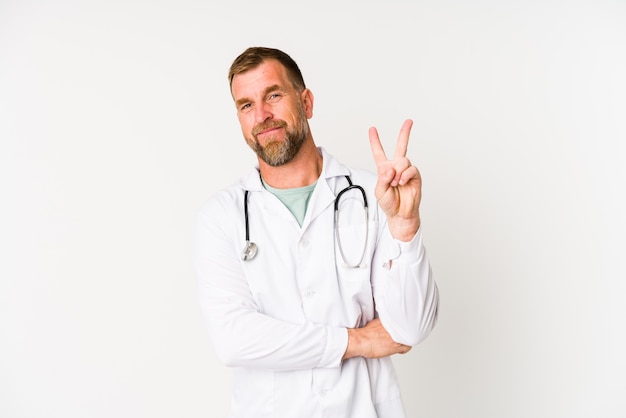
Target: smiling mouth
{"points": [[268, 127], [269, 135], [266, 131]]}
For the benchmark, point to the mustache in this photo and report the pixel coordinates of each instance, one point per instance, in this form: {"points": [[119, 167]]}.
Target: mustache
{"points": [[270, 124]]}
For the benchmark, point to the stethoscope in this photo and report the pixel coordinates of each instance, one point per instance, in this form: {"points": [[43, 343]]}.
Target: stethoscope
{"points": [[250, 249]]}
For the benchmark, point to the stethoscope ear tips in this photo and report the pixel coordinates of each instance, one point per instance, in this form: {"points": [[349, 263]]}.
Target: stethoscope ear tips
{"points": [[249, 251]]}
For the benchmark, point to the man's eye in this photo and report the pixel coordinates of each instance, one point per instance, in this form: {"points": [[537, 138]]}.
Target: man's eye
{"points": [[274, 96], [245, 106]]}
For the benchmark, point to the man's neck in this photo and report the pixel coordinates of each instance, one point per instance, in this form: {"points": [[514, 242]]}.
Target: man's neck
{"points": [[303, 170]]}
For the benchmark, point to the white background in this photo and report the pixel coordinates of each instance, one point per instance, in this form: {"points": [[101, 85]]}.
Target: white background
{"points": [[116, 123]]}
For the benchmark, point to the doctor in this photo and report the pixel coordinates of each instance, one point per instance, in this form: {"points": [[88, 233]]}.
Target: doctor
{"points": [[311, 274]]}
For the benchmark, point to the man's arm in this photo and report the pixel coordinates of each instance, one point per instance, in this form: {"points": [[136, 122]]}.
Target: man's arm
{"points": [[406, 295], [240, 334]]}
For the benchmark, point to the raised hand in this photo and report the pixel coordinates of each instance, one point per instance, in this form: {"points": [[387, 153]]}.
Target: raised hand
{"points": [[399, 186]]}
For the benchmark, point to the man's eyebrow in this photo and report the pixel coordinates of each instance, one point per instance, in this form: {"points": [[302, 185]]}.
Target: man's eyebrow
{"points": [[268, 90], [271, 89]]}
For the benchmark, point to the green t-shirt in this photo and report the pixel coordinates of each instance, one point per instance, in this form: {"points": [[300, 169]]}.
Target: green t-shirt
{"points": [[296, 199]]}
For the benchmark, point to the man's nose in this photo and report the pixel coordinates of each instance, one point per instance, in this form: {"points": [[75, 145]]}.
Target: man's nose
{"points": [[262, 112]]}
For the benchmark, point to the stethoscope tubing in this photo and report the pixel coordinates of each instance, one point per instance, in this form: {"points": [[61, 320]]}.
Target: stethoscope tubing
{"points": [[338, 236], [250, 248]]}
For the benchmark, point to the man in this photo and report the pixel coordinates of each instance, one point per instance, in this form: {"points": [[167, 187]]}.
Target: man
{"points": [[306, 289]]}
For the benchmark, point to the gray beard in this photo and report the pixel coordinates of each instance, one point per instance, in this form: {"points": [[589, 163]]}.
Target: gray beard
{"points": [[277, 153]]}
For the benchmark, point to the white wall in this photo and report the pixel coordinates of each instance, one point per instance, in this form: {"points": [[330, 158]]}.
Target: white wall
{"points": [[116, 124]]}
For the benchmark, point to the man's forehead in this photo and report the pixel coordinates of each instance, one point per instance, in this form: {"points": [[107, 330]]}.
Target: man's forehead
{"points": [[269, 73]]}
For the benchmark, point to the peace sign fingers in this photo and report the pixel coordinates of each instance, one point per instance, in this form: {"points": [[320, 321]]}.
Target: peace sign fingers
{"points": [[398, 189], [401, 146], [377, 149], [403, 139]]}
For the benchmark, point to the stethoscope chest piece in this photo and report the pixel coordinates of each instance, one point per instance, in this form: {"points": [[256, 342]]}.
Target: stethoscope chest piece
{"points": [[249, 251]]}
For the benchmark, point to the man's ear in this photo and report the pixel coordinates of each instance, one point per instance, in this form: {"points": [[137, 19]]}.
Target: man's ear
{"points": [[307, 101]]}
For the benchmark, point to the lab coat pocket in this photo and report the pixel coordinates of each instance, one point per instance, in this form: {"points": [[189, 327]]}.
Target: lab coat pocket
{"points": [[353, 263], [353, 248]]}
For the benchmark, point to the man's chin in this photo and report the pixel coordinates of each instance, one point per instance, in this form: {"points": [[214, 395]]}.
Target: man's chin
{"points": [[274, 154]]}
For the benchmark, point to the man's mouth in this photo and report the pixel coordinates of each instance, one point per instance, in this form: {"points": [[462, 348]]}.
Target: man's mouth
{"points": [[265, 128], [269, 130]]}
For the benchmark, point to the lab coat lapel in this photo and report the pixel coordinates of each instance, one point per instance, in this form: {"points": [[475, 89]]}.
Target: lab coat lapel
{"points": [[324, 193], [252, 181], [320, 200]]}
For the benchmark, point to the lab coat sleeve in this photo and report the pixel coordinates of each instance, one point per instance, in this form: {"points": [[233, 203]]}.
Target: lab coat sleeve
{"points": [[240, 334], [405, 292]]}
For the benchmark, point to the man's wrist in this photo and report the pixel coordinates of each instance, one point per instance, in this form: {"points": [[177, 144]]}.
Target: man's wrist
{"points": [[403, 229], [352, 349]]}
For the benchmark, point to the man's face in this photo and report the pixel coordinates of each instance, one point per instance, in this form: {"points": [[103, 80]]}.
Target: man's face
{"points": [[272, 114]]}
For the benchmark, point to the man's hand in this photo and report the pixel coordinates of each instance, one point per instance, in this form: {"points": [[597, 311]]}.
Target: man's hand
{"points": [[399, 186], [372, 341]]}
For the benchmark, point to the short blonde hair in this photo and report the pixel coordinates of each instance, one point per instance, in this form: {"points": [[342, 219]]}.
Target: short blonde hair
{"points": [[255, 56]]}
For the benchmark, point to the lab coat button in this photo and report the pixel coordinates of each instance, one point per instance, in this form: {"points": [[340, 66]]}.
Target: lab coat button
{"points": [[304, 243]]}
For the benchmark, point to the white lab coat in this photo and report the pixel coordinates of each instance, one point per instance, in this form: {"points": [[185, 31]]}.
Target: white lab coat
{"points": [[280, 319]]}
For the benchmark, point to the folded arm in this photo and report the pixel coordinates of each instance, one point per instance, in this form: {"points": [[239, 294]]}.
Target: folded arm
{"points": [[241, 335]]}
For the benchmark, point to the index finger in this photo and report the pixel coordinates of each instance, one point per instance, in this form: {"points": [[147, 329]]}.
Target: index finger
{"points": [[377, 149], [403, 139]]}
